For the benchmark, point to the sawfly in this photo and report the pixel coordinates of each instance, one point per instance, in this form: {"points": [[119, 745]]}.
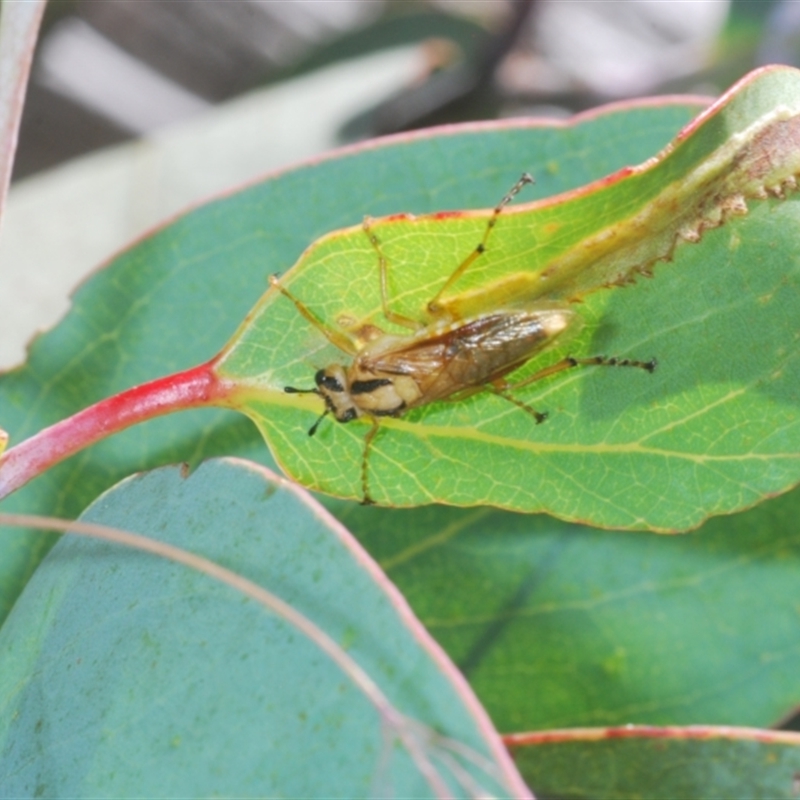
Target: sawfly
{"points": [[446, 357]]}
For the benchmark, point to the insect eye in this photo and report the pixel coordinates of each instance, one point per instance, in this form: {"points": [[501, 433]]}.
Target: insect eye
{"points": [[323, 380]]}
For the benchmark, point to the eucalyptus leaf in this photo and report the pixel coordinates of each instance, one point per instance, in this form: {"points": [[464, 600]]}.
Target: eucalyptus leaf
{"points": [[703, 763], [557, 625], [714, 430], [174, 298], [125, 675]]}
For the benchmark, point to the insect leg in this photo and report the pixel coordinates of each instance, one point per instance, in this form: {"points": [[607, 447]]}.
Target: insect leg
{"points": [[336, 338], [539, 416], [383, 264], [569, 362], [434, 305], [367, 500], [504, 389]]}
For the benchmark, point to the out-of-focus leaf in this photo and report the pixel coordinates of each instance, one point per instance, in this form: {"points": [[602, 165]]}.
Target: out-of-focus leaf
{"points": [[123, 675], [703, 763], [19, 26], [556, 625]]}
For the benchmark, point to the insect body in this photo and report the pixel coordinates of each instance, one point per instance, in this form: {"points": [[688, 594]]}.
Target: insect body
{"points": [[394, 374], [447, 359]]}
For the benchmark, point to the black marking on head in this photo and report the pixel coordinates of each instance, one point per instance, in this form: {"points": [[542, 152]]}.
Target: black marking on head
{"points": [[325, 381], [365, 387]]}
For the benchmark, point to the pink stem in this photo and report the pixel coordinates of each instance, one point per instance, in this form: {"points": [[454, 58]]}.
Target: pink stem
{"points": [[197, 387]]}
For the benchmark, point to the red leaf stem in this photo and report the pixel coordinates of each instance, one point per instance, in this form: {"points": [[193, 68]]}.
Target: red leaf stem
{"points": [[194, 388]]}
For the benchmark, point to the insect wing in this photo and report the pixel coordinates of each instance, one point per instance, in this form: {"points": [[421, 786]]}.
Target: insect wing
{"points": [[468, 355]]}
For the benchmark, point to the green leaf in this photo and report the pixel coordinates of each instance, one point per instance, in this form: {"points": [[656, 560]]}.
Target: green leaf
{"points": [[715, 430], [557, 625], [703, 763], [171, 300], [174, 298], [124, 675]]}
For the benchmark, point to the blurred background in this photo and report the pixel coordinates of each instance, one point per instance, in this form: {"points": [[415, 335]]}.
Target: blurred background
{"points": [[109, 71], [137, 109]]}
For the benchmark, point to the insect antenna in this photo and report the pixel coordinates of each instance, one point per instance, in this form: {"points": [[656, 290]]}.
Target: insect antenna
{"points": [[294, 390], [313, 429]]}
